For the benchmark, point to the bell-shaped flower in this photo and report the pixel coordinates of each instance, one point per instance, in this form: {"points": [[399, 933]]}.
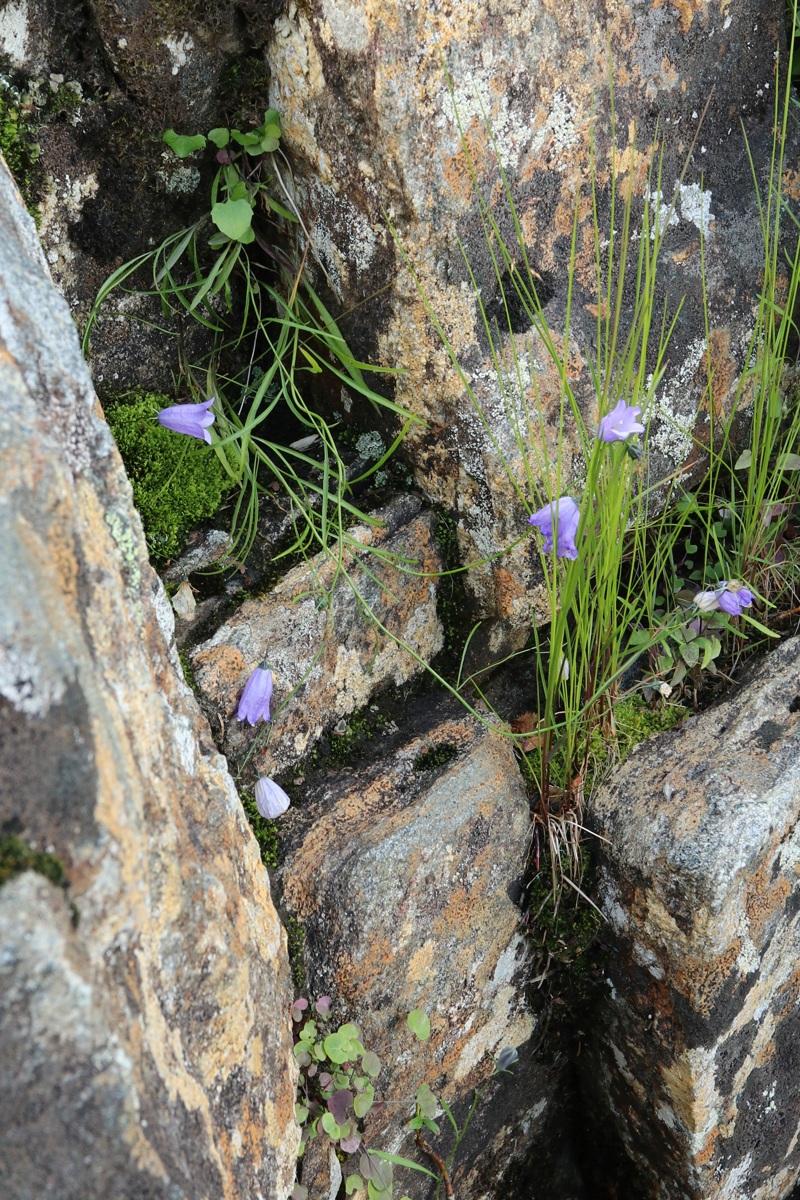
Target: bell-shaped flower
{"points": [[191, 419], [733, 596], [730, 596], [271, 800], [254, 704], [558, 522], [620, 423]]}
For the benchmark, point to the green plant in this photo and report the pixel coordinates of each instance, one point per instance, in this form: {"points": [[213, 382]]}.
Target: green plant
{"points": [[336, 1092], [272, 341], [176, 481], [18, 143]]}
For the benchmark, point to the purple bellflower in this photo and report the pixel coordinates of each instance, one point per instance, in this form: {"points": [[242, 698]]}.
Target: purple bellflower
{"points": [[733, 596], [558, 521], [254, 704], [730, 596], [620, 423], [271, 800], [192, 419]]}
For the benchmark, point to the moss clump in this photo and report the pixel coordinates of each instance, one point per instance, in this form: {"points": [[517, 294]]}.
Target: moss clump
{"points": [[636, 720], [177, 480], [20, 148], [265, 832], [435, 756], [17, 856]]}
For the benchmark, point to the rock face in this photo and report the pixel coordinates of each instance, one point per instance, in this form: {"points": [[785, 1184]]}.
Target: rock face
{"points": [[328, 654], [142, 1034], [695, 1048], [372, 96], [403, 876]]}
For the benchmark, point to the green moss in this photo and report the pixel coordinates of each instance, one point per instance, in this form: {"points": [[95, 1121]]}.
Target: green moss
{"points": [[17, 856], [435, 756], [20, 148], [177, 480], [636, 720], [265, 832], [347, 747], [296, 941]]}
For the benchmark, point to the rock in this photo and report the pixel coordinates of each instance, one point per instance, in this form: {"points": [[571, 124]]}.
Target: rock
{"points": [[142, 1030], [107, 187], [403, 875], [328, 654], [370, 94], [694, 1050]]}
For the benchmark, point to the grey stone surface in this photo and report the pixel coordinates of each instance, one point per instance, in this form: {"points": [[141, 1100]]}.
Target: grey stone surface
{"points": [[145, 1046], [694, 1050], [373, 95], [404, 880]]}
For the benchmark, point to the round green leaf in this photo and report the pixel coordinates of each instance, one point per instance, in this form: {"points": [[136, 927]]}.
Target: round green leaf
{"points": [[353, 1183], [220, 137], [234, 218], [419, 1024], [363, 1101], [371, 1064], [331, 1128]]}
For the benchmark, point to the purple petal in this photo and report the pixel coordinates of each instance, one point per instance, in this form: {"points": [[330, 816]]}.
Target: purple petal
{"points": [[192, 419], [271, 800], [620, 423], [729, 603], [254, 704], [562, 517]]}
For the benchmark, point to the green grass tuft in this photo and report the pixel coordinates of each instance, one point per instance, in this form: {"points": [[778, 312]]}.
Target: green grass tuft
{"points": [[177, 480]]}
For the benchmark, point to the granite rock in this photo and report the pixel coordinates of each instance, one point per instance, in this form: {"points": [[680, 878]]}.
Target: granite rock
{"points": [[404, 878], [375, 98], [143, 1038], [694, 1049], [330, 637]]}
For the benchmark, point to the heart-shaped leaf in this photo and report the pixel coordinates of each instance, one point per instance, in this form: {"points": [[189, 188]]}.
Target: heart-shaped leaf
{"points": [[181, 145], [234, 218]]}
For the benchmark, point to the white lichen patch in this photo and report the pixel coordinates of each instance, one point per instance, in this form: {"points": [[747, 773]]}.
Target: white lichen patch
{"points": [[181, 180], [61, 207], [178, 48], [14, 31], [662, 213], [343, 237], [696, 208], [26, 683], [671, 427], [474, 102]]}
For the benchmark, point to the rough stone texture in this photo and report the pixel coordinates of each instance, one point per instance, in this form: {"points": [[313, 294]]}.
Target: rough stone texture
{"points": [[372, 129], [404, 881], [143, 1045], [109, 188], [327, 657], [695, 1049]]}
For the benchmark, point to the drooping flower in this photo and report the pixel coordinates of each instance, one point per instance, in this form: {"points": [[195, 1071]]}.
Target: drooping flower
{"points": [[733, 596], [620, 423], [558, 521], [191, 419], [254, 704], [271, 800], [730, 596]]}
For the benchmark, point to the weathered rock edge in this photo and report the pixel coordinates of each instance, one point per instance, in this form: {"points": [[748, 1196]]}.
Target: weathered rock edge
{"points": [[144, 1046], [694, 1051]]}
